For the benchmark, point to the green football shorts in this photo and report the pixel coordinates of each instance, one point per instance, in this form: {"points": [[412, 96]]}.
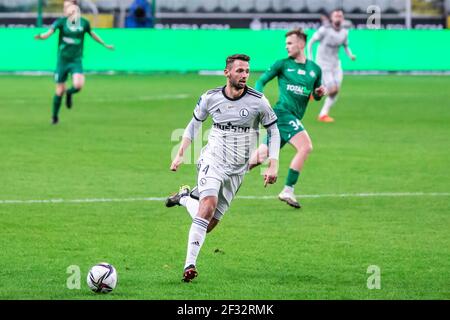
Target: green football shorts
{"points": [[288, 125], [64, 68]]}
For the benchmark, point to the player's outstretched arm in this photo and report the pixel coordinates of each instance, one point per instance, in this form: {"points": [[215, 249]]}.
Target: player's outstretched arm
{"points": [[271, 174], [268, 75], [185, 143], [45, 35], [349, 53], [189, 134], [309, 48], [317, 36], [99, 40]]}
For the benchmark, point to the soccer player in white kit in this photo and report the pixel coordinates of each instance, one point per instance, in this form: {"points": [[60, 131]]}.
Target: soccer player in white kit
{"points": [[237, 112], [331, 38]]}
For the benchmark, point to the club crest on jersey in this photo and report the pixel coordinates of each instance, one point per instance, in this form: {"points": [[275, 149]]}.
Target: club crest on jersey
{"points": [[312, 74], [243, 113], [301, 72]]}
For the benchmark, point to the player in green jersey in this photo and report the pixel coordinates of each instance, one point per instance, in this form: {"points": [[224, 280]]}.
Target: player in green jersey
{"points": [[298, 79], [72, 29]]}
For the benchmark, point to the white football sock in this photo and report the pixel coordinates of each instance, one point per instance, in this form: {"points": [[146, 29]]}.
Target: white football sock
{"points": [[197, 235], [288, 189], [329, 101], [191, 205]]}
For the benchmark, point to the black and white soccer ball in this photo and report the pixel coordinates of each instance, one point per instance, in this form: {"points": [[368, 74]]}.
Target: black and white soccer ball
{"points": [[102, 278]]}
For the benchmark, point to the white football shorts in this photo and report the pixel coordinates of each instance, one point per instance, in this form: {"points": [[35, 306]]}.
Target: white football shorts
{"points": [[213, 182]]}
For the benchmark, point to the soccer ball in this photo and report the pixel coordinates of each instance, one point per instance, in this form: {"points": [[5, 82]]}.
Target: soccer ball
{"points": [[102, 278]]}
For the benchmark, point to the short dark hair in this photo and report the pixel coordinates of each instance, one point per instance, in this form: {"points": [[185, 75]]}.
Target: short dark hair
{"points": [[335, 10], [298, 32], [234, 57]]}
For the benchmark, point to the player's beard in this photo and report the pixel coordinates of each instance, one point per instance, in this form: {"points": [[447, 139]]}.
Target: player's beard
{"points": [[237, 84]]}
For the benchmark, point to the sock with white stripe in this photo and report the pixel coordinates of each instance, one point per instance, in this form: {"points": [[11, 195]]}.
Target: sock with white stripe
{"points": [[191, 205], [329, 101], [197, 235]]}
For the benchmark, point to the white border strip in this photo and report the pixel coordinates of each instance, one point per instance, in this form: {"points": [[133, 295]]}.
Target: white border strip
{"points": [[313, 196]]}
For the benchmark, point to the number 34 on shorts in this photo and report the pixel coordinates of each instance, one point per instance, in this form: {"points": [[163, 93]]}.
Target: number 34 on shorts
{"points": [[289, 127]]}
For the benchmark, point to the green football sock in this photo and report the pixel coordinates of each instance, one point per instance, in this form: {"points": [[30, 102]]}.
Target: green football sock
{"points": [[56, 105], [73, 90], [292, 177]]}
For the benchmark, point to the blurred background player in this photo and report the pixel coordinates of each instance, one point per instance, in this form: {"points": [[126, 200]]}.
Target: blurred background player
{"points": [[331, 36], [298, 79], [72, 29], [237, 111]]}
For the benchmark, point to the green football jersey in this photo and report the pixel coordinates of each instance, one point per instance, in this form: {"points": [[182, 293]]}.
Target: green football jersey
{"points": [[71, 37], [296, 83]]}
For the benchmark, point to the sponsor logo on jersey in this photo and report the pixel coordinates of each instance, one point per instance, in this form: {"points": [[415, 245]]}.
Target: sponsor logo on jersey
{"points": [[243, 113], [229, 127], [290, 70], [301, 72], [300, 90], [71, 40]]}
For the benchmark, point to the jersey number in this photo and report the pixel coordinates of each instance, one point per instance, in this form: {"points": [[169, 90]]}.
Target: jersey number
{"points": [[296, 124], [205, 169]]}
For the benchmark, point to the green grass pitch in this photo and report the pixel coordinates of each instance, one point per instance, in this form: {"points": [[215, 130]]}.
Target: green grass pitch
{"points": [[391, 140]]}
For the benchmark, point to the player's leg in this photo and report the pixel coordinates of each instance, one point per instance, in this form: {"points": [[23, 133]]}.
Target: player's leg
{"points": [[230, 186], [190, 200], [180, 199], [197, 232], [78, 81], [61, 74], [303, 146], [57, 100], [209, 185], [333, 83], [212, 224]]}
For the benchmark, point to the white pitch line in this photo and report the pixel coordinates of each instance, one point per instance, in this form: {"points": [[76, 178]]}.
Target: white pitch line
{"points": [[179, 96], [331, 195]]}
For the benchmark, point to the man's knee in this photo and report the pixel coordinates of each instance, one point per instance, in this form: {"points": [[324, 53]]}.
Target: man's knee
{"points": [[78, 81], [305, 148], [333, 92], [332, 89], [207, 207], [78, 85], [60, 89]]}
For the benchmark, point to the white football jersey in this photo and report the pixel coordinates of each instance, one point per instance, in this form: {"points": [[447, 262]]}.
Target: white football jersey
{"points": [[330, 42], [235, 130]]}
